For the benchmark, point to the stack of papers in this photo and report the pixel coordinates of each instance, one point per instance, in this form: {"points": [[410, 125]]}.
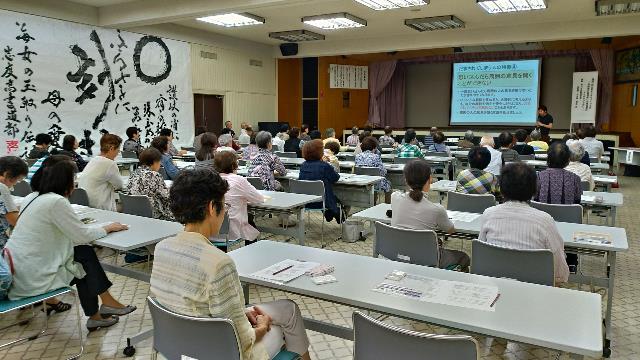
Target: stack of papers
{"points": [[454, 293], [462, 216], [592, 238], [284, 271]]}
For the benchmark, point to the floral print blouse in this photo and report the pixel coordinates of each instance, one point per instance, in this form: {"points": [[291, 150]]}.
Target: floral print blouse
{"points": [[370, 159], [144, 181], [263, 166]]}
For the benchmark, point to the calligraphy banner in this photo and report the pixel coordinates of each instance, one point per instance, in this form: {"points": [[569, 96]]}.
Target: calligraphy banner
{"points": [[64, 78], [348, 77], [584, 97]]}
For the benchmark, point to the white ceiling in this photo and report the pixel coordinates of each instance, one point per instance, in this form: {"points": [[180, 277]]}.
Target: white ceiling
{"points": [[564, 19]]}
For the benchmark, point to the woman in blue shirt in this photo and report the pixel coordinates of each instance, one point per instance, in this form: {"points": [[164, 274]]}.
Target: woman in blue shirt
{"points": [[162, 144], [316, 169]]}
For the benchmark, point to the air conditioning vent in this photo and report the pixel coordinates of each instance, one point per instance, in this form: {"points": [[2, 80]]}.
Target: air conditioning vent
{"points": [[254, 62], [208, 55]]}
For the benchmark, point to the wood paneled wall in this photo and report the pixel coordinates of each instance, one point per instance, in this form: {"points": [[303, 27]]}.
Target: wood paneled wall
{"points": [[624, 116], [290, 91]]}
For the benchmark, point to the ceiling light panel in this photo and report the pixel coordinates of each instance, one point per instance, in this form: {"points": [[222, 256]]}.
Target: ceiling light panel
{"points": [[334, 21], [296, 36], [617, 7], [435, 23], [233, 20], [502, 6], [392, 4]]}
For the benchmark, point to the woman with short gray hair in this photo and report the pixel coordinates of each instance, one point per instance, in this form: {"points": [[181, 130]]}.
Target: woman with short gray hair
{"points": [[265, 163], [225, 142], [576, 166]]}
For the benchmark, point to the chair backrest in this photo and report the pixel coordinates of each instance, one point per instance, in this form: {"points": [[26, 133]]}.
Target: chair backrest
{"points": [[586, 186], [470, 202], [129, 154], [532, 266], [286, 154], [307, 187], [386, 146], [163, 173], [256, 182], [594, 159], [560, 212], [437, 153], [366, 170], [526, 157], [80, 197], [242, 162], [136, 205], [403, 160], [418, 247], [175, 335], [275, 148], [350, 157], [22, 189], [374, 339]]}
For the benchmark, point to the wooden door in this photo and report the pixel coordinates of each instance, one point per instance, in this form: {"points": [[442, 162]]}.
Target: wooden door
{"points": [[208, 111]]}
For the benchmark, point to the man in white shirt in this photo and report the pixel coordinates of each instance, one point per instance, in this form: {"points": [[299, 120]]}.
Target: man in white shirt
{"points": [[101, 177], [594, 147], [516, 225], [496, 156]]}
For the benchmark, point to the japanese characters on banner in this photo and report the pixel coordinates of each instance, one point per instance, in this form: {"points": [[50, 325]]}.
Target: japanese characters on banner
{"points": [[348, 77], [63, 78], [584, 97]]}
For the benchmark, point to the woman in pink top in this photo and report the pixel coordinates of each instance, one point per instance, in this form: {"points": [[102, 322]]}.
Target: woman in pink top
{"points": [[239, 195]]}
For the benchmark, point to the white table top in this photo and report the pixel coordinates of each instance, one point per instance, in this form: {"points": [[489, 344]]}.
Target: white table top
{"points": [[277, 200], [625, 149], [619, 240], [605, 179], [600, 166], [559, 319], [444, 185], [608, 198], [545, 156], [292, 161]]}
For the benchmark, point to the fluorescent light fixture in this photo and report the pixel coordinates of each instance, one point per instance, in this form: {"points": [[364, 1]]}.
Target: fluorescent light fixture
{"points": [[233, 20], [334, 21], [392, 4], [617, 7], [435, 23], [296, 35], [501, 6]]}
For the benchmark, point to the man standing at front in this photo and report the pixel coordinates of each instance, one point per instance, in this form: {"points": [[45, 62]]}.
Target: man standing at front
{"points": [[544, 122]]}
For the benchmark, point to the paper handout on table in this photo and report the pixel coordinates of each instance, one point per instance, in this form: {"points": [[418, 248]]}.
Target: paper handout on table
{"points": [[462, 216], [588, 198], [592, 238], [284, 271], [454, 293]]}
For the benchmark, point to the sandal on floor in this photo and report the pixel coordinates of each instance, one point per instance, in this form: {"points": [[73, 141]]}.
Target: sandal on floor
{"points": [[60, 307]]}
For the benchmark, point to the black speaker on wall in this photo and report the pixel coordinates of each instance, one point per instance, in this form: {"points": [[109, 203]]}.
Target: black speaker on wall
{"points": [[289, 49]]}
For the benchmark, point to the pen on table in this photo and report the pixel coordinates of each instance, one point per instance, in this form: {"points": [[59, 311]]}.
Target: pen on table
{"points": [[281, 270], [495, 300]]}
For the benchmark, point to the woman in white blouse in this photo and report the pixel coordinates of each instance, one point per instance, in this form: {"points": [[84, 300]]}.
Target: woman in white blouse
{"points": [[101, 177], [50, 246], [576, 166]]}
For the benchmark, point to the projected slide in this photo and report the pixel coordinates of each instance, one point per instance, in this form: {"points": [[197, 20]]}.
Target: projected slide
{"points": [[495, 93]]}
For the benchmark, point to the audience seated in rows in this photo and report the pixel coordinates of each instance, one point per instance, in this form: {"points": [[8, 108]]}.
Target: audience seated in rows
{"points": [[475, 180], [331, 149], [506, 142], [467, 141], [12, 171], [132, 144], [147, 181], [293, 143], [266, 163], [516, 225], [536, 141], [193, 278], [387, 139], [370, 157], [161, 143], [315, 169], [521, 145], [439, 145], [555, 184], [101, 177], [409, 147], [496, 162], [412, 210], [240, 193], [575, 166], [50, 246]]}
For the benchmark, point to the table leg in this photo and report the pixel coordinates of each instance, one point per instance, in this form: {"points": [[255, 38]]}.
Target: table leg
{"points": [[372, 195], [611, 257], [613, 215], [300, 226]]}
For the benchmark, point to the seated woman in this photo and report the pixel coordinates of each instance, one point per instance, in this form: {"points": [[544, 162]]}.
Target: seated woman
{"points": [[387, 139], [369, 157], [225, 143], [204, 155], [239, 195], [576, 166], [412, 210], [147, 181], [250, 152], [438, 144], [331, 149], [475, 180], [193, 278], [161, 143], [12, 171], [69, 146], [266, 163], [101, 177], [50, 246], [555, 184], [292, 144], [315, 169]]}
